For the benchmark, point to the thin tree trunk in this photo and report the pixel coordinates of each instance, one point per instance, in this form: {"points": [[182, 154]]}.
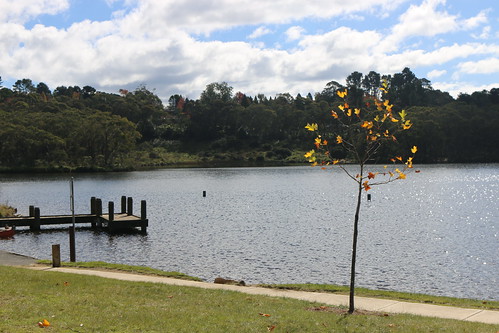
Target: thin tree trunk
{"points": [[351, 307]]}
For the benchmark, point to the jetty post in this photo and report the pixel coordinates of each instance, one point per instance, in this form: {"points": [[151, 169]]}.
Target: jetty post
{"points": [[35, 225], [110, 206], [123, 204], [92, 211], [143, 215], [130, 206]]}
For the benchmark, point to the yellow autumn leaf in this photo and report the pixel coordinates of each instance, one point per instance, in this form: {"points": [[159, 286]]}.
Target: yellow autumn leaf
{"points": [[402, 115], [349, 112], [312, 127], [339, 139], [318, 142], [309, 153], [414, 149], [357, 111], [395, 120], [342, 94], [341, 107], [401, 175], [336, 162], [334, 114], [406, 125], [367, 124]]}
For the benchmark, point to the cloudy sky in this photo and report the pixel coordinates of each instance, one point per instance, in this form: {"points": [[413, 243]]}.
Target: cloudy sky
{"points": [[257, 46]]}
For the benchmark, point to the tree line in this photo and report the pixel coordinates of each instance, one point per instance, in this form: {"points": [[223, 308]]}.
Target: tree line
{"points": [[82, 128]]}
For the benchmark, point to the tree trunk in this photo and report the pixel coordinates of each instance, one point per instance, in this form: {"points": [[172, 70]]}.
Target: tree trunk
{"points": [[351, 307]]}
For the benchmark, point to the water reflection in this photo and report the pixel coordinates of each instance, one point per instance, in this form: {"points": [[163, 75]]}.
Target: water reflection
{"points": [[435, 232]]}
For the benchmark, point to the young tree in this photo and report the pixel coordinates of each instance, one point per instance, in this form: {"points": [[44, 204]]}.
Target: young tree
{"points": [[359, 133]]}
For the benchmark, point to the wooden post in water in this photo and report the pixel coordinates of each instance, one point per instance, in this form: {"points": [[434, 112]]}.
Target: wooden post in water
{"points": [[98, 207], [92, 205], [31, 211], [130, 206], [123, 204], [110, 206], [92, 211], [35, 225], [143, 210], [56, 255], [143, 214]]}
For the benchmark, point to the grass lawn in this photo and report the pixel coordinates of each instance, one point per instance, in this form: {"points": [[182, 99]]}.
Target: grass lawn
{"points": [[78, 303]]}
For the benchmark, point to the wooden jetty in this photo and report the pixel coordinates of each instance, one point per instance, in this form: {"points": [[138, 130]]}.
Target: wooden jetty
{"points": [[112, 221]]}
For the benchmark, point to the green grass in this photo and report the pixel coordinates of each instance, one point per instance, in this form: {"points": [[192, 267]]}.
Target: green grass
{"points": [[78, 303], [123, 268], [408, 297]]}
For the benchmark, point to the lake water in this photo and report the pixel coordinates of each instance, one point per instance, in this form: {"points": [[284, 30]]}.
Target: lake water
{"points": [[436, 232]]}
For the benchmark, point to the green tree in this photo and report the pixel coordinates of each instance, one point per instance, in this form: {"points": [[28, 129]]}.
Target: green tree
{"points": [[360, 133], [24, 86]]}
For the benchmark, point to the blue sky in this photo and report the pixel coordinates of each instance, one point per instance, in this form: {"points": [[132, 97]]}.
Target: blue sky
{"points": [[257, 46]]}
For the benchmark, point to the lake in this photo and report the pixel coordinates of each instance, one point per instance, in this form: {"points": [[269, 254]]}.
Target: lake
{"points": [[435, 232]]}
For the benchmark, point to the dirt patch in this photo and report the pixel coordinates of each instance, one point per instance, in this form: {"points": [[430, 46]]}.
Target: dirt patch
{"points": [[344, 311]]}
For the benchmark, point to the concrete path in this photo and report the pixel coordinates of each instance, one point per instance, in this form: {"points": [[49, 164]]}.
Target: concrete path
{"points": [[365, 303]]}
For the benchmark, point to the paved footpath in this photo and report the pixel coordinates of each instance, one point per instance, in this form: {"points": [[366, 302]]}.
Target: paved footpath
{"points": [[365, 303]]}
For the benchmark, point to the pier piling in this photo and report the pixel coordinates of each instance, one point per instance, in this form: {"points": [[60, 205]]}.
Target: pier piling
{"points": [[111, 210], [35, 226], [123, 204], [130, 206]]}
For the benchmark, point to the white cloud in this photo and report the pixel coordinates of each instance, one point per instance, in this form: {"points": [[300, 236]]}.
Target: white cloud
{"points": [[259, 32], [476, 21], [156, 43], [203, 17], [485, 34], [20, 11], [436, 73], [484, 66], [459, 87], [294, 33]]}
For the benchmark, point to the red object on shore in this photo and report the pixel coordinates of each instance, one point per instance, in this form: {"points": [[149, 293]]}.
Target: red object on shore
{"points": [[6, 232]]}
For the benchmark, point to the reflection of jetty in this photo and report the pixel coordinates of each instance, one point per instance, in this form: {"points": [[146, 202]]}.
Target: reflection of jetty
{"points": [[112, 221]]}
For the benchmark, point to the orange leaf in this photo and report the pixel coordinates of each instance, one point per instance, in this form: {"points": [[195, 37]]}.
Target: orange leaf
{"points": [[44, 323], [271, 328], [334, 114], [398, 158], [264, 314], [339, 139], [366, 186], [371, 175]]}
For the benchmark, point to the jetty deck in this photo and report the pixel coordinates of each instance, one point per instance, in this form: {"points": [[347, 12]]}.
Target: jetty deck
{"points": [[96, 219]]}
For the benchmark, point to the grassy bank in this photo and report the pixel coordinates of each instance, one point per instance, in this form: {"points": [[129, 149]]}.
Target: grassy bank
{"points": [[123, 268], [76, 303], [328, 288]]}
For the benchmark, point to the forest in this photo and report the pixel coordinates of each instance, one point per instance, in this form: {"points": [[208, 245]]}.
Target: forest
{"points": [[81, 129]]}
